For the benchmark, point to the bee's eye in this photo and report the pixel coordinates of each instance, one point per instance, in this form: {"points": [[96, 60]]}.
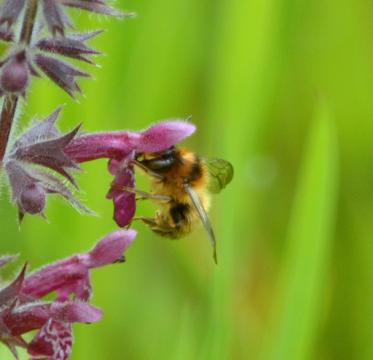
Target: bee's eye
{"points": [[162, 163]]}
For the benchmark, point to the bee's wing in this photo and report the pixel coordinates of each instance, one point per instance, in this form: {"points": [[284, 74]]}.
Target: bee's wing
{"points": [[221, 173], [203, 216]]}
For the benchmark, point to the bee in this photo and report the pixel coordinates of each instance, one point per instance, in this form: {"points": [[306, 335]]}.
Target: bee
{"points": [[182, 184]]}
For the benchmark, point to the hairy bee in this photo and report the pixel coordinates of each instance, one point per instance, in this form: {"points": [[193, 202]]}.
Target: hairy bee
{"points": [[182, 184]]}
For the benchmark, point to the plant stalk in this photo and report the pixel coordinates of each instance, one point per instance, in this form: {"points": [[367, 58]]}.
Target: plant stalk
{"points": [[11, 101]]}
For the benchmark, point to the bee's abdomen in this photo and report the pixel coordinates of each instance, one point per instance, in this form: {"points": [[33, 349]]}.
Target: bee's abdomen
{"points": [[179, 214]]}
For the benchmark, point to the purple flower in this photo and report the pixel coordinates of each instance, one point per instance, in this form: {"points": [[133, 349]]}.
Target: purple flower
{"points": [[43, 148], [17, 68], [124, 201], [15, 74], [121, 147], [22, 308]]}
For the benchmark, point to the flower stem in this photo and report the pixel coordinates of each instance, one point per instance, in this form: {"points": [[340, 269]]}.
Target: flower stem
{"points": [[11, 101], [28, 22]]}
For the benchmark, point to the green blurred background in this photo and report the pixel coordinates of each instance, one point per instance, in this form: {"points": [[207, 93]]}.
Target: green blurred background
{"points": [[282, 89]]}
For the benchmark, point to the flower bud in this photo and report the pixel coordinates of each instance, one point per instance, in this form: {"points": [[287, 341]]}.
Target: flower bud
{"points": [[15, 75], [32, 199]]}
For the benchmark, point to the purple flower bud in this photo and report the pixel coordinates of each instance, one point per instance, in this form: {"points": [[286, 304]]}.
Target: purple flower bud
{"points": [[14, 76], [32, 199]]}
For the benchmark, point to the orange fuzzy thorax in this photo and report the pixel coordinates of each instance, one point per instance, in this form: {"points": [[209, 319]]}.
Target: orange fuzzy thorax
{"points": [[188, 167]]}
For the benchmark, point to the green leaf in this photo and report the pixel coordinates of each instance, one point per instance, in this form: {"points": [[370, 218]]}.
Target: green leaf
{"points": [[298, 306]]}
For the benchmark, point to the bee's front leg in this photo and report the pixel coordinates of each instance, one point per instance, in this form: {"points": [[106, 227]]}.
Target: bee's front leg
{"points": [[156, 226], [151, 222]]}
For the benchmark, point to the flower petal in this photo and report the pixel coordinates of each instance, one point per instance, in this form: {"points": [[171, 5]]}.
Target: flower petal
{"points": [[111, 248], [112, 145], [72, 272], [50, 153], [75, 311], [98, 6], [55, 17], [54, 276], [10, 11], [69, 46], [62, 73], [34, 315], [54, 340], [41, 130], [124, 201], [163, 135], [27, 194], [11, 291]]}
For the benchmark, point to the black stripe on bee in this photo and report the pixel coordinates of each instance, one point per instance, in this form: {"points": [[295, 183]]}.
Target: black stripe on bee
{"points": [[196, 170], [179, 213]]}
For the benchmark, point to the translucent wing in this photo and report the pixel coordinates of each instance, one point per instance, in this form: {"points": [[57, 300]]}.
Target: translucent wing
{"points": [[203, 216], [221, 173]]}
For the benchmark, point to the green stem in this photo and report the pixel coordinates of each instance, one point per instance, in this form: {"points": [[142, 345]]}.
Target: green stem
{"points": [[11, 101]]}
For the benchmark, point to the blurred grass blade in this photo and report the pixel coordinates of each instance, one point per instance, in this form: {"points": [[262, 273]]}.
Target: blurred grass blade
{"points": [[242, 74], [185, 343], [299, 304]]}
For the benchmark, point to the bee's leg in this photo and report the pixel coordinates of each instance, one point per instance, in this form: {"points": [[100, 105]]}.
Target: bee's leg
{"points": [[146, 220], [147, 170], [154, 224], [145, 195], [165, 231]]}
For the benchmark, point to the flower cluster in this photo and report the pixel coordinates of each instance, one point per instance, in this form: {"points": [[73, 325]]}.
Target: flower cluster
{"points": [[44, 161], [43, 148], [22, 308], [32, 53]]}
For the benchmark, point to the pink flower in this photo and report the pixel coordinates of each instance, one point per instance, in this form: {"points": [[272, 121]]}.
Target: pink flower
{"points": [[22, 308], [121, 147], [42, 149]]}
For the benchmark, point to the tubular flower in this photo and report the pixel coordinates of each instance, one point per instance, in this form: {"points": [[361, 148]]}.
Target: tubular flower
{"points": [[22, 308], [121, 147], [43, 149]]}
